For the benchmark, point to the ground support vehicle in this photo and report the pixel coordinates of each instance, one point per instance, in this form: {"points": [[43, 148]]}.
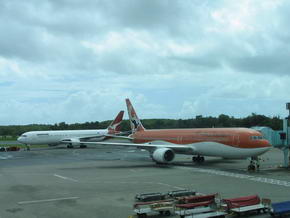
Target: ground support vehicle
{"points": [[181, 193], [162, 203], [280, 209], [12, 148], [247, 204], [3, 149], [164, 207], [199, 206], [9, 148], [154, 196]]}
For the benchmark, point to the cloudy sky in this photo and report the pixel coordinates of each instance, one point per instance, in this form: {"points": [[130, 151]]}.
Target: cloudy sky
{"points": [[77, 60]]}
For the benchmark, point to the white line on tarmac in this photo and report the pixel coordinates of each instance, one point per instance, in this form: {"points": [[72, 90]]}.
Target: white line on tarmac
{"points": [[47, 200], [241, 176], [5, 157], [67, 178], [75, 152], [177, 187]]}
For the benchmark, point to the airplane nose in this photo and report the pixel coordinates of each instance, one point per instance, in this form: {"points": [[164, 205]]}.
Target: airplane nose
{"points": [[266, 143], [20, 139]]}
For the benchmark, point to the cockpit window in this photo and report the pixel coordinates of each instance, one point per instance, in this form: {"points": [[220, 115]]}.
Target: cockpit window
{"points": [[256, 137], [23, 135]]}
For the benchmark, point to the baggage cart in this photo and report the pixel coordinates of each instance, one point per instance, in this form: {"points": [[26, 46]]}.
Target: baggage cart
{"points": [[199, 206], [247, 204], [163, 207], [156, 202]]}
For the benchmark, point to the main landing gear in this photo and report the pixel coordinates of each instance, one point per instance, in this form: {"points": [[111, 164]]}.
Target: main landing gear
{"points": [[254, 164], [197, 159], [71, 146], [82, 146]]}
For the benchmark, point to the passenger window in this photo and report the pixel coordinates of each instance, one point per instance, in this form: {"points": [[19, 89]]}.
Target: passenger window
{"points": [[256, 137]]}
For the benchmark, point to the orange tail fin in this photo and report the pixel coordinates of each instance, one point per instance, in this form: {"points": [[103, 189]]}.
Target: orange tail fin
{"points": [[135, 122]]}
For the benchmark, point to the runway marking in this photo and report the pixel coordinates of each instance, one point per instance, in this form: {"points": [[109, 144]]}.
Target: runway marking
{"points": [[5, 157], [151, 183], [75, 152], [241, 176], [164, 184], [67, 178], [134, 171], [47, 200]]}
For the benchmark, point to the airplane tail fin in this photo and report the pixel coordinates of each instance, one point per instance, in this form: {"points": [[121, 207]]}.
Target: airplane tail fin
{"points": [[135, 122], [115, 126]]}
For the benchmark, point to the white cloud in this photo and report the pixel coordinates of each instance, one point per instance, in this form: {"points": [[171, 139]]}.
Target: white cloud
{"points": [[75, 62]]}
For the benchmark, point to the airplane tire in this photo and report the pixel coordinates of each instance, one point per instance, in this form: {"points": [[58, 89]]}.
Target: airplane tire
{"points": [[197, 159], [167, 213], [251, 168], [141, 215]]}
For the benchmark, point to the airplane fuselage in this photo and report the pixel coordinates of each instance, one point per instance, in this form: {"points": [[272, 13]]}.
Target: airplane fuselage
{"points": [[221, 142], [57, 136]]}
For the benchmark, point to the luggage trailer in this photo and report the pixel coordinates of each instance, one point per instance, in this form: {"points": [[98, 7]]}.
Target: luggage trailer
{"points": [[246, 205], [189, 204], [199, 207], [162, 203]]}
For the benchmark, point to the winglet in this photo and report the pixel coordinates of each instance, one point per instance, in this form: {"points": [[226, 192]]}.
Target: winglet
{"points": [[135, 122], [115, 126]]}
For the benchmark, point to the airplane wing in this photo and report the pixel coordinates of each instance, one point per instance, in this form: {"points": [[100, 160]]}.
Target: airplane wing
{"points": [[118, 136], [83, 139], [80, 139], [148, 146]]}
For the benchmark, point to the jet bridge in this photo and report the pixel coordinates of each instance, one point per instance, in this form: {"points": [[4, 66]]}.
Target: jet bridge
{"points": [[279, 139]]}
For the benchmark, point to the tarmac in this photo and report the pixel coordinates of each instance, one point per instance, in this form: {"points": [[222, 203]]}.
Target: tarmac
{"points": [[103, 181]]}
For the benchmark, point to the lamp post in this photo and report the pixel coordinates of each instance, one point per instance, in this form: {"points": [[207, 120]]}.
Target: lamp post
{"points": [[287, 123]]}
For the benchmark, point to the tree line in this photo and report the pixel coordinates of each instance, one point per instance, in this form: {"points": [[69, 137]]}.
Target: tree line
{"points": [[222, 120]]}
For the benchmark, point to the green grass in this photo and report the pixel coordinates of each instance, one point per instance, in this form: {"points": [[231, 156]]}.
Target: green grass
{"points": [[8, 139]]}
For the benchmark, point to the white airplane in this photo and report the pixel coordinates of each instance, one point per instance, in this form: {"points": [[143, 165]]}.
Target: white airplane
{"points": [[71, 137]]}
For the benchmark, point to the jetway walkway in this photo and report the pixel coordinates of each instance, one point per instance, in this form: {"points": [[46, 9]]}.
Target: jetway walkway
{"points": [[278, 139]]}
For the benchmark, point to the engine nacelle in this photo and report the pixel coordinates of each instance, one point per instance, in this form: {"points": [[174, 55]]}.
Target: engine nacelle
{"points": [[163, 155], [75, 142]]}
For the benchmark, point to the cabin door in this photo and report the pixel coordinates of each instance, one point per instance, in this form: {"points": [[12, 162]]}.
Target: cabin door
{"points": [[236, 140]]}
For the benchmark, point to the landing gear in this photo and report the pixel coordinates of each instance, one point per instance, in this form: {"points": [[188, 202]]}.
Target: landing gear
{"points": [[197, 159], [27, 147], [83, 146], [254, 164], [70, 146]]}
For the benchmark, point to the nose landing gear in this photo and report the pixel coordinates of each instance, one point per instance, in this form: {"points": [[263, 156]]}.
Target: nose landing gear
{"points": [[27, 147], [254, 164], [197, 159]]}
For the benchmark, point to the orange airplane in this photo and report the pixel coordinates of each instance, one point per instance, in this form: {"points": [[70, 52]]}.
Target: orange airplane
{"points": [[163, 144]]}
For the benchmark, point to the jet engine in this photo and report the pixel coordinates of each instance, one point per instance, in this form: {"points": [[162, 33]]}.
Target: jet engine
{"points": [[74, 142], [163, 155]]}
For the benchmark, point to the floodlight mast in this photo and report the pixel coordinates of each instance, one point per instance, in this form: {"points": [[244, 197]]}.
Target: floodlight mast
{"points": [[287, 121]]}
